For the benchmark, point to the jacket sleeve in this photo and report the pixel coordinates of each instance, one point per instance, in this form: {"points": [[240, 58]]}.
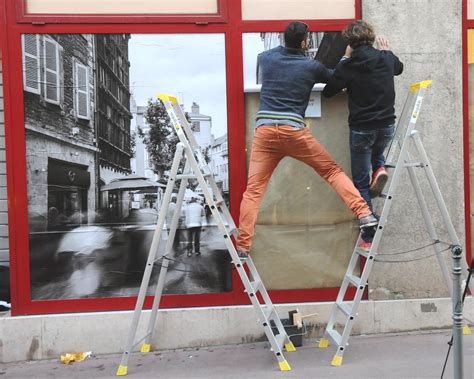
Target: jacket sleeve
{"points": [[397, 65], [337, 81]]}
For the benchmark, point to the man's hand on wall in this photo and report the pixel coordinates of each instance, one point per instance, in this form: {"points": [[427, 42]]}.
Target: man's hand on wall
{"points": [[382, 43]]}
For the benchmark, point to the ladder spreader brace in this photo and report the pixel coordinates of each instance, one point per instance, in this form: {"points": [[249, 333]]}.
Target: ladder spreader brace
{"points": [[197, 168], [406, 134]]}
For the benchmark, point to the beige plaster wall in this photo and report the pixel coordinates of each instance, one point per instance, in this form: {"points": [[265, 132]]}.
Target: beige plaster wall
{"points": [[426, 35], [298, 9], [121, 6]]}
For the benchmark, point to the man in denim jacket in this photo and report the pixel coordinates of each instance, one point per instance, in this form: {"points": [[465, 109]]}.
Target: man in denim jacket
{"points": [[288, 77], [368, 75]]}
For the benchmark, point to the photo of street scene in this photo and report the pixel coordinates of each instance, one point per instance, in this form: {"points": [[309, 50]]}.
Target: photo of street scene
{"points": [[99, 148]]}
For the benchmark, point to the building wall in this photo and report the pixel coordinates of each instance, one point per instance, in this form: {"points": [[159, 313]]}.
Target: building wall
{"points": [[435, 53], [4, 256]]}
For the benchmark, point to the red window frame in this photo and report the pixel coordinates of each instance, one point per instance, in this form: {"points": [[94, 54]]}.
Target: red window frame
{"points": [[466, 25], [232, 26]]}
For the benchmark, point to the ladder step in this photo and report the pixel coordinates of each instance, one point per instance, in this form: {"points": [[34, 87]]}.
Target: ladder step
{"points": [[345, 308], [336, 337], [233, 231], [268, 311], [191, 176], [389, 165], [355, 280], [256, 285], [361, 252]]}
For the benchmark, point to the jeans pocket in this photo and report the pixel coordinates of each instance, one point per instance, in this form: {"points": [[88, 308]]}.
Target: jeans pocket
{"points": [[362, 140], [385, 136]]}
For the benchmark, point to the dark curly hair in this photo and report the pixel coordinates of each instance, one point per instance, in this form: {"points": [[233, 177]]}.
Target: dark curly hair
{"points": [[359, 33]]}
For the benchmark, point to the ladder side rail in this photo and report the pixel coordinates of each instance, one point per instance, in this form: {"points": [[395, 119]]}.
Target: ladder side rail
{"points": [[183, 121], [435, 188], [214, 209], [441, 204], [418, 97], [403, 119], [150, 261], [223, 207], [188, 134], [262, 317], [266, 299], [165, 262], [430, 227], [198, 165], [357, 299]]}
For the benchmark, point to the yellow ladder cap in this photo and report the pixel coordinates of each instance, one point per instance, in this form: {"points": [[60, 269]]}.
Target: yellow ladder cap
{"points": [[466, 330], [423, 84], [336, 361], [145, 348], [165, 97], [122, 370], [323, 343], [290, 347], [284, 366]]}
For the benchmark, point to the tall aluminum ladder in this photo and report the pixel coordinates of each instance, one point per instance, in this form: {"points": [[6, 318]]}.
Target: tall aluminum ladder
{"points": [[399, 153], [196, 168]]}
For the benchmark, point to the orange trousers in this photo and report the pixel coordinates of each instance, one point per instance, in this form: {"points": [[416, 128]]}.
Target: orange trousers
{"points": [[270, 145]]}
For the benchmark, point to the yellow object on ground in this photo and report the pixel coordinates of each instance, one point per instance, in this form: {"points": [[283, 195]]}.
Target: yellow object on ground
{"points": [[75, 357]]}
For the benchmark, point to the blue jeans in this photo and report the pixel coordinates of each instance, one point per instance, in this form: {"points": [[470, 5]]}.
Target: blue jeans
{"points": [[367, 148]]}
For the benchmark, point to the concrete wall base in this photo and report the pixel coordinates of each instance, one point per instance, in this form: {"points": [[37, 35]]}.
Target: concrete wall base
{"points": [[49, 336]]}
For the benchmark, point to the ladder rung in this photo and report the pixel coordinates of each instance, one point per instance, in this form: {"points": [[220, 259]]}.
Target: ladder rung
{"points": [[256, 285], [361, 252], [383, 195], [191, 176], [389, 166], [336, 337], [268, 311], [232, 231], [345, 308], [355, 280], [414, 164]]}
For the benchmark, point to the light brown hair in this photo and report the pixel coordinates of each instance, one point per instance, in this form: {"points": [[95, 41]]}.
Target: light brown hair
{"points": [[359, 33]]}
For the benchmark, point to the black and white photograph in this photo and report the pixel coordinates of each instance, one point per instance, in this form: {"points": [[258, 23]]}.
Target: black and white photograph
{"points": [[99, 150]]}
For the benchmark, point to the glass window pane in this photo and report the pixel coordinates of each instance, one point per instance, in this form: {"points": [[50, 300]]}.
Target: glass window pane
{"points": [[298, 9], [96, 185], [121, 6]]}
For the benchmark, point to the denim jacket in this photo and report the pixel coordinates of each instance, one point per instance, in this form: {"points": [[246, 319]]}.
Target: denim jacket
{"points": [[288, 77]]}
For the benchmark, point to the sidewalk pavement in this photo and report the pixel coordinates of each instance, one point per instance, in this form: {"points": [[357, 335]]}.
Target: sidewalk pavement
{"points": [[419, 355]]}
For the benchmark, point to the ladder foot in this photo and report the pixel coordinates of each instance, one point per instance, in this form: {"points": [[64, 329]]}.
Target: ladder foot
{"points": [[122, 370], [323, 343], [290, 347], [466, 330], [146, 347], [284, 366], [336, 361]]}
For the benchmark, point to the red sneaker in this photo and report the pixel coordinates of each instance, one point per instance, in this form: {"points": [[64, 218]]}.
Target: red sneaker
{"points": [[379, 179], [366, 246]]}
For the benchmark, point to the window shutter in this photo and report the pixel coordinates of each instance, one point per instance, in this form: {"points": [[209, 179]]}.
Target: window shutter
{"points": [[82, 91], [51, 69], [31, 63]]}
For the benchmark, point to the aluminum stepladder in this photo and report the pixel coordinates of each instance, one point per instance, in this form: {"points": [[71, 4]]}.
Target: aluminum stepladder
{"points": [[406, 137], [196, 169]]}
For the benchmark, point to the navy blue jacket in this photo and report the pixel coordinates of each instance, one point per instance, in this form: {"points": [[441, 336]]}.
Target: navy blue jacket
{"points": [[368, 76], [288, 77]]}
